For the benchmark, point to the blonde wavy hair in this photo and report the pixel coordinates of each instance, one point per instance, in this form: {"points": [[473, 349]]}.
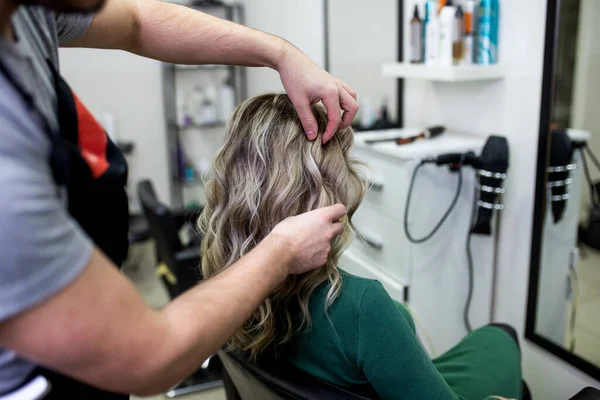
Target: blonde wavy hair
{"points": [[265, 172]]}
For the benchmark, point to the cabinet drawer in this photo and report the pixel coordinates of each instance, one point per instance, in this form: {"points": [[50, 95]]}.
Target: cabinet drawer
{"points": [[390, 184], [382, 243]]}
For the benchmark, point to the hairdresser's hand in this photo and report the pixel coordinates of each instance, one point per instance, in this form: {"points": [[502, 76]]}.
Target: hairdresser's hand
{"points": [[306, 84], [306, 238]]}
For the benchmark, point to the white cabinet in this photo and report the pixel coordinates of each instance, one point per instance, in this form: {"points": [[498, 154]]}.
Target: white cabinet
{"points": [[434, 272]]}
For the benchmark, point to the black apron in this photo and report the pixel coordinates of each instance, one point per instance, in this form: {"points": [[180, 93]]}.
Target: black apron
{"points": [[93, 171]]}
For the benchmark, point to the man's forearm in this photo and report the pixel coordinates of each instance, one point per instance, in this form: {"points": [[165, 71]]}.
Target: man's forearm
{"points": [[100, 331], [178, 34], [201, 320]]}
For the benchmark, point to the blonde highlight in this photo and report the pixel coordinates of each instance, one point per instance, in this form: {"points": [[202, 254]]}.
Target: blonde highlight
{"points": [[265, 172]]}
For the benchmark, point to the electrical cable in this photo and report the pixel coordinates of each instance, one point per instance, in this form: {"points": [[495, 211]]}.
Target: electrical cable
{"points": [[574, 280], [439, 225], [470, 282], [588, 177], [446, 214], [467, 308], [595, 197], [470, 267]]}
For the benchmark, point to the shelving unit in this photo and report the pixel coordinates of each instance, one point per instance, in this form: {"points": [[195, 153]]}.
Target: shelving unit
{"points": [[177, 79], [459, 73]]}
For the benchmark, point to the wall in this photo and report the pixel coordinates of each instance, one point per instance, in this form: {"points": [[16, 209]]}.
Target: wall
{"points": [[299, 22]]}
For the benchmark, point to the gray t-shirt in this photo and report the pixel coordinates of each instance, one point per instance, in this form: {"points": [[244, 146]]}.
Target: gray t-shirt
{"points": [[42, 249]]}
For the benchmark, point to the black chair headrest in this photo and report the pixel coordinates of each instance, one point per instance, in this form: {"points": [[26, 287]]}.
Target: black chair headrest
{"points": [[588, 393], [290, 383]]}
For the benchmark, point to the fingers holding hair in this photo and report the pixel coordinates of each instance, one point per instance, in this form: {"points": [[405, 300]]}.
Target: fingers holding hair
{"points": [[307, 118], [338, 228], [350, 107], [334, 213], [334, 113], [344, 99], [348, 89]]}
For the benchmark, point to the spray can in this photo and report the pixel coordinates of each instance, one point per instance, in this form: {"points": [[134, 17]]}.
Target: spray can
{"points": [[416, 36], [487, 38], [431, 33], [458, 40], [469, 33], [494, 30], [447, 33]]}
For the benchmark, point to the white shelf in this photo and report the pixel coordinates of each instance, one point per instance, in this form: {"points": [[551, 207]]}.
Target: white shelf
{"points": [[444, 74]]}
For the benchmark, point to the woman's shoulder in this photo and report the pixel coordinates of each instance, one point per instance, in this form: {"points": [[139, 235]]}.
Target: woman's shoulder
{"points": [[355, 287], [355, 282], [354, 293]]}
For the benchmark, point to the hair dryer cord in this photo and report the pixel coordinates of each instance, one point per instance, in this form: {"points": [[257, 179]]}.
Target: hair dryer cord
{"points": [[446, 214], [467, 308]]}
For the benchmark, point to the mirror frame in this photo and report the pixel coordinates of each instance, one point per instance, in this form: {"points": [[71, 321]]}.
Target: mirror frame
{"points": [[551, 41]]}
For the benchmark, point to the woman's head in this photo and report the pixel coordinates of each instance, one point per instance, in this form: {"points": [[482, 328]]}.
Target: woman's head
{"points": [[265, 172]]}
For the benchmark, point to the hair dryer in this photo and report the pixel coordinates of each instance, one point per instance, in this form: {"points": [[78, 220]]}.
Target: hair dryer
{"points": [[559, 171], [491, 168]]}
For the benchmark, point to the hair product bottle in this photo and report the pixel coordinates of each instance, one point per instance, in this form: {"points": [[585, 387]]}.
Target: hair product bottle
{"points": [[431, 33], [447, 33], [494, 30], [468, 57], [442, 4], [458, 46], [416, 46], [226, 101], [487, 33]]}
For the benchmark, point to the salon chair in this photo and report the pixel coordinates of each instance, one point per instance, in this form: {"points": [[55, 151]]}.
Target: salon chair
{"points": [[182, 264], [244, 380], [180, 261], [139, 241], [588, 393]]}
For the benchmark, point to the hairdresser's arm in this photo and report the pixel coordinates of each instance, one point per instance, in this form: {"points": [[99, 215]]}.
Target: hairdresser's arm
{"points": [[100, 331], [177, 34]]}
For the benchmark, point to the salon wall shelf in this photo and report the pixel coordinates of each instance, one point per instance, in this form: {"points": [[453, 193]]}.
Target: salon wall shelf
{"points": [[461, 73]]}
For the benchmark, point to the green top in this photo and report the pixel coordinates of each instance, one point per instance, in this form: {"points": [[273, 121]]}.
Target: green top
{"points": [[366, 341]]}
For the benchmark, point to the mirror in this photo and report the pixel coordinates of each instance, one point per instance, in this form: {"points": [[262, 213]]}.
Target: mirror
{"points": [[564, 303], [351, 54]]}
